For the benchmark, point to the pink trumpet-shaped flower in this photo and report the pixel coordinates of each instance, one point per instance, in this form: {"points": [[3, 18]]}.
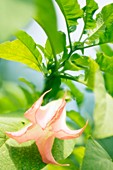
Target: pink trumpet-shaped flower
{"points": [[47, 122]]}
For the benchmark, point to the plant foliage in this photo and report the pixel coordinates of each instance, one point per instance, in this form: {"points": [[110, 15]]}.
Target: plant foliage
{"points": [[86, 81]]}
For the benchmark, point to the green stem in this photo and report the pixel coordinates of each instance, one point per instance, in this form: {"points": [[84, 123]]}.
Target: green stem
{"points": [[54, 54], [56, 63], [79, 48], [69, 77], [69, 37], [62, 64], [40, 67], [70, 45], [81, 34]]}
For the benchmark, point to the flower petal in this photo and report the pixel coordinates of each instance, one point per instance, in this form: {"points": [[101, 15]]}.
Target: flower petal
{"points": [[30, 132], [59, 120], [66, 133], [59, 113], [45, 149], [60, 128], [31, 113], [46, 113]]}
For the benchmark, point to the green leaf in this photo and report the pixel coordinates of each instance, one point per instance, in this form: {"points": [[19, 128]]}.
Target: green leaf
{"points": [[109, 83], [31, 45], [90, 74], [77, 118], [13, 155], [69, 65], [103, 113], [103, 31], [62, 148], [107, 144], [87, 64], [76, 93], [105, 48], [79, 153], [29, 90], [29, 84], [14, 15], [89, 10], [71, 11], [105, 62], [24, 156], [17, 51], [11, 97], [80, 62], [96, 157], [48, 22], [48, 53], [48, 50]]}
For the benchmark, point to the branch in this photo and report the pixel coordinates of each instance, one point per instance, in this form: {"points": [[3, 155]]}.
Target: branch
{"points": [[82, 33], [70, 77], [79, 48], [68, 35]]}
